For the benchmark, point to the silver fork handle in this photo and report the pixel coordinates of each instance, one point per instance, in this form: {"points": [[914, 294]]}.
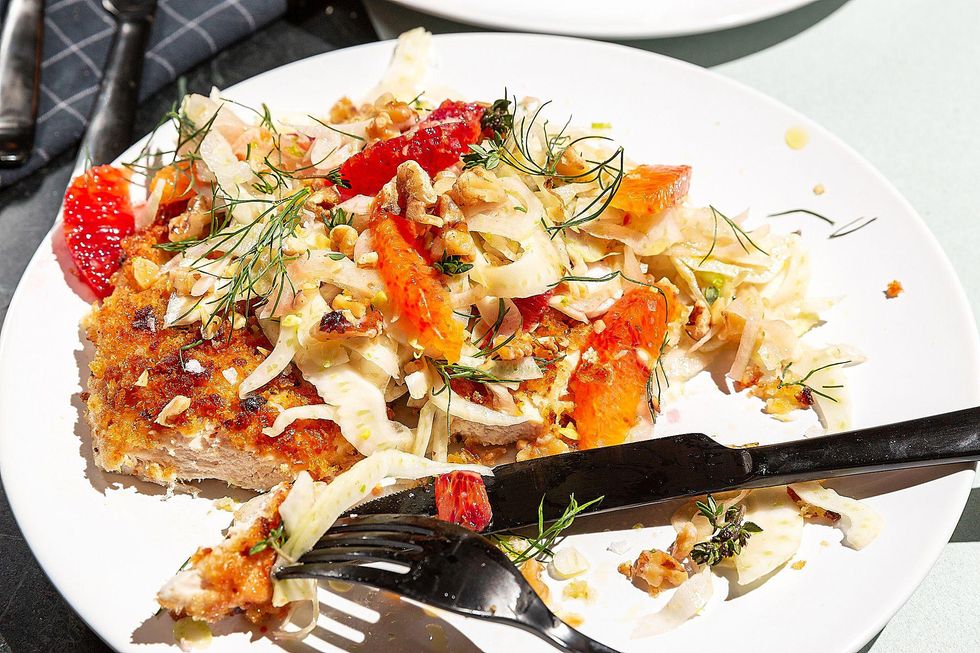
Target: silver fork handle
{"points": [[20, 79]]}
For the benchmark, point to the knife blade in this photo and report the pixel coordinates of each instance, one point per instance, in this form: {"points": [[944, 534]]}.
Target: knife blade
{"points": [[653, 471]]}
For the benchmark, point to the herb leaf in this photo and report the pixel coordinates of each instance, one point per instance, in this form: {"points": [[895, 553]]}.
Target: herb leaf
{"points": [[521, 549], [275, 539], [452, 265], [731, 532]]}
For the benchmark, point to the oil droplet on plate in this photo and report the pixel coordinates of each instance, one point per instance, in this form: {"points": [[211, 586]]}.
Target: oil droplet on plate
{"points": [[339, 585], [437, 635], [796, 138]]}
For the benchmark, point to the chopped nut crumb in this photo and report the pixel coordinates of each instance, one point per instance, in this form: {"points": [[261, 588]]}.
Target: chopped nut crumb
{"points": [[819, 189], [799, 564]]}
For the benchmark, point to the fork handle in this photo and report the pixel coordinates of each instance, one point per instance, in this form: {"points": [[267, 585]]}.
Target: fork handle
{"points": [[541, 621], [110, 129]]}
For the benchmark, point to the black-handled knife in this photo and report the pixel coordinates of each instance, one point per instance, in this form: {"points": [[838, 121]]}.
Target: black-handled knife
{"points": [[20, 79], [110, 128], [652, 471]]}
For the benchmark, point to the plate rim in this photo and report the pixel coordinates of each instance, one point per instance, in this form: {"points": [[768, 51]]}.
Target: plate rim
{"points": [[450, 11], [963, 485]]}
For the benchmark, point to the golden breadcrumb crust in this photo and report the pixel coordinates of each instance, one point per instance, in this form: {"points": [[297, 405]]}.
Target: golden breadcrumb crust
{"points": [[130, 339]]}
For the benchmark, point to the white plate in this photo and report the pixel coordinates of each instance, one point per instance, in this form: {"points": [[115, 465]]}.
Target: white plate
{"points": [[624, 19], [108, 542]]}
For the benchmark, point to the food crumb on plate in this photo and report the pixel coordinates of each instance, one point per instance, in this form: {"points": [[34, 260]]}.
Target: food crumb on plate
{"points": [[226, 503], [894, 289], [577, 589], [819, 189], [798, 565], [190, 634], [796, 138]]}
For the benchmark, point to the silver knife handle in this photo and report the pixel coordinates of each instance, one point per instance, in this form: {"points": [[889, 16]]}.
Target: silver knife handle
{"points": [[20, 79], [110, 129]]}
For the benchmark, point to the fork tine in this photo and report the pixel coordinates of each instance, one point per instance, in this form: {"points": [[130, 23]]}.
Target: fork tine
{"points": [[374, 523], [380, 578], [370, 538], [363, 554]]}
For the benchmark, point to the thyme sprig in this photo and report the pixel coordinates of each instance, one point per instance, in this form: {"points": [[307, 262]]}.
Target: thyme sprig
{"points": [[451, 265], [802, 382], [731, 532], [274, 540], [541, 547]]}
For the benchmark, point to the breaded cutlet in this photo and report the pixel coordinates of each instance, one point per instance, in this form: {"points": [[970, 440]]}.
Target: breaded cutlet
{"points": [[140, 367]]}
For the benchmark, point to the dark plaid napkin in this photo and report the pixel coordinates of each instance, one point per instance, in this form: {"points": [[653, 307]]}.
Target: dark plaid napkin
{"points": [[77, 35]]}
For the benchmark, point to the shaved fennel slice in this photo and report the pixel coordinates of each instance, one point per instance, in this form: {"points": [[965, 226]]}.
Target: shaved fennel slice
{"points": [[362, 413], [408, 68], [782, 529], [516, 218], [859, 522], [229, 172], [449, 402], [290, 415], [535, 272], [423, 432], [686, 602], [834, 412], [311, 507], [282, 354]]}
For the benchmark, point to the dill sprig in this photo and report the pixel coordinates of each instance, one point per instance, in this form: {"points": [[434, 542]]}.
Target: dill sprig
{"points": [[736, 229], [731, 532], [513, 148], [849, 228], [606, 277], [804, 211], [802, 382], [274, 540], [541, 547], [854, 225], [259, 273], [658, 371]]}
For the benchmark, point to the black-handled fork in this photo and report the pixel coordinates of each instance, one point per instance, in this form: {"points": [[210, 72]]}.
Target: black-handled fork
{"points": [[110, 129], [444, 565]]}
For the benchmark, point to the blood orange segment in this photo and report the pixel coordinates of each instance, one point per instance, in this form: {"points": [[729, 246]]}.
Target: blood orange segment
{"points": [[437, 144], [97, 216], [178, 182], [607, 388], [415, 290], [649, 189], [461, 498], [532, 308]]}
